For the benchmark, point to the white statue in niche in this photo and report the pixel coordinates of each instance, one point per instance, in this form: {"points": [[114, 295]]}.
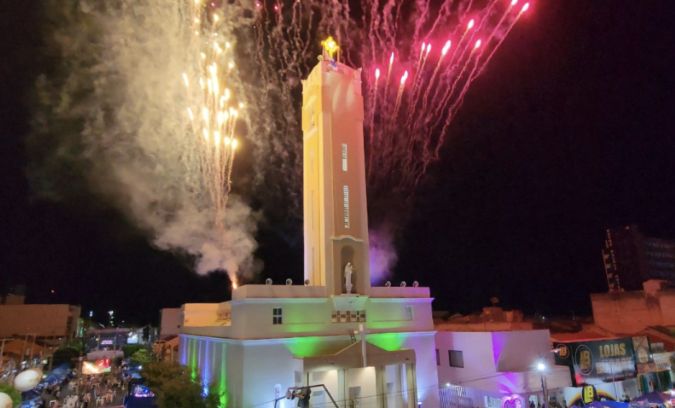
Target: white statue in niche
{"points": [[349, 269]]}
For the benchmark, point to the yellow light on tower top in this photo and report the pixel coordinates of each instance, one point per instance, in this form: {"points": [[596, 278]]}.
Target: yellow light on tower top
{"points": [[330, 47]]}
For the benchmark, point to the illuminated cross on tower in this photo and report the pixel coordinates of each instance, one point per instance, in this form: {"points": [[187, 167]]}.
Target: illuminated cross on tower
{"points": [[334, 185]]}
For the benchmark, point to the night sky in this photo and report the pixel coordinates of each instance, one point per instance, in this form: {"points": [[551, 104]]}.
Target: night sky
{"points": [[570, 130]]}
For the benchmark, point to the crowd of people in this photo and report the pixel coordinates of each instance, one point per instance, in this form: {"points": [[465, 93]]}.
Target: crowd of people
{"points": [[82, 391]]}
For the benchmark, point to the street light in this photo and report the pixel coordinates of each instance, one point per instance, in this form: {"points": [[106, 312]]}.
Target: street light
{"points": [[541, 367]]}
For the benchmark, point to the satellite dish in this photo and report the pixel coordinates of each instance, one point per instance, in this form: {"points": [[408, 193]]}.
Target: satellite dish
{"points": [[403, 284], [289, 282], [416, 284], [27, 379], [387, 284]]}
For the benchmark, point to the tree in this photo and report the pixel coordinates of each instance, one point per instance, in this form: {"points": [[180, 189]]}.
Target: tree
{"points": [[142, 356], [176, 387], [65, 355], [130, 349]]}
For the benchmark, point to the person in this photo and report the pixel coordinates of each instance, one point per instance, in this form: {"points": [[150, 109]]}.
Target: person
{"points": [[303, 397]]}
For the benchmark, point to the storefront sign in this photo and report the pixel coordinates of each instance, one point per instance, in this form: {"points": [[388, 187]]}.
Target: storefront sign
{"points": [[595, 362]]}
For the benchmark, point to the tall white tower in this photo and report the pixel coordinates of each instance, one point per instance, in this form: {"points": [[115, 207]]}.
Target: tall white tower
{"points": [[334, 185]]}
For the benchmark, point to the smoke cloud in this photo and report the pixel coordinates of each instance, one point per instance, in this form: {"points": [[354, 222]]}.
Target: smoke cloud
{"points": [[109, 112], [382, 253]]}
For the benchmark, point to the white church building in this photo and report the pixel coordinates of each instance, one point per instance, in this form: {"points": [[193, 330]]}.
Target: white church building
{"points": [[368, 346]]}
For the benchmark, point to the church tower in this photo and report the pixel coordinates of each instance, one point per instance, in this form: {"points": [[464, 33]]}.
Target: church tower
{"points": [[334, 185]]}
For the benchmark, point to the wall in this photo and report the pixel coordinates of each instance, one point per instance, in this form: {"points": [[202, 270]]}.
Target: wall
{"points": [[251, 371], [200, 315], [251, 318], [632, 312], [499, 363], [39, 320], [170, 322]]}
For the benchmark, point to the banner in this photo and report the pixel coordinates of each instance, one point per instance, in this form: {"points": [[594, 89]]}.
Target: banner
{"points": [[595, 362]]}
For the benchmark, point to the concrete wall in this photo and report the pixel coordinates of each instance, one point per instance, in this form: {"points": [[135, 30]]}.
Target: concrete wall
{"points": [[39, 320], [170, 322], [252, 372], [251, 318], [200, 315], [499, 363], [631, 312]]}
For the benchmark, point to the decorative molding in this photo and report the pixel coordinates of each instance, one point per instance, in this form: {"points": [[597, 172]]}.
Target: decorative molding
{"points": [[279, 300], [350, 237], [402, 300]]}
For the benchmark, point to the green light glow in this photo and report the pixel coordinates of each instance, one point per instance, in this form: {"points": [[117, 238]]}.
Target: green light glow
{"points": [[222, 379], [193, 360], [388, 341], [304, 346], [304, 327], [392, 324]]}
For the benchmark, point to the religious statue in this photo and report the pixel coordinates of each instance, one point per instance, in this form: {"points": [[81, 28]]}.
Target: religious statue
{"points": [[349, 269]]}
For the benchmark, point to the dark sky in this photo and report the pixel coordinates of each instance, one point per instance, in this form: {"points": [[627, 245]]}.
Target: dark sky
{"points": [[570, 130]]}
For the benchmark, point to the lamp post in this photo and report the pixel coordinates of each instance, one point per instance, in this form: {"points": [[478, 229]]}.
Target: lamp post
{"points": [[541, 367]]}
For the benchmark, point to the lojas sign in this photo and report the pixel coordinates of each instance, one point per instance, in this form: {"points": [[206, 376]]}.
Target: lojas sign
{"points": [[597, 361]]}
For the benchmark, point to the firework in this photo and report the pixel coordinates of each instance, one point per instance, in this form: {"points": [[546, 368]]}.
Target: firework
{"points": [[400, 36], [207, 91]]}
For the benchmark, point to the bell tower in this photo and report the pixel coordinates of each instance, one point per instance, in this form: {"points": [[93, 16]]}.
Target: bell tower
{"points": [[334, 185]]}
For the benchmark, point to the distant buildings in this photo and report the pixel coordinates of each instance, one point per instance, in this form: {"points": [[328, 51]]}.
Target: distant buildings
{"points": [[633, 311], [631, 258], [38, 320], [170, 320]]}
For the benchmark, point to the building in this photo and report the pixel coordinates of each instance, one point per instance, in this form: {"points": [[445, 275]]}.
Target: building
{"points": [[617, 368], [360, 345], [169, 322], [494, 369], [631, 258], [631, 312], [41, 321]]}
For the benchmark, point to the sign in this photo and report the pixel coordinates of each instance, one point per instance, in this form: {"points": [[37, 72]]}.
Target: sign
{"points": [[595, 362], [588, 394], [641, 348]]}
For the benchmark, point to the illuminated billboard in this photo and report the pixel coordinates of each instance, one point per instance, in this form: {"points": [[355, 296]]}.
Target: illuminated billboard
{"points": [[96, 367], [598, 361]]}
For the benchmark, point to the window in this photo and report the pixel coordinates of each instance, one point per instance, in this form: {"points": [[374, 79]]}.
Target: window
{"points": [[456, 358], [438, 358], [409, 315], [277, 316], [345, 205], [344, 157]]}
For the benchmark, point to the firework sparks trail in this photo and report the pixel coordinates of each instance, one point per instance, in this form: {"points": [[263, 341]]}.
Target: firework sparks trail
{"points": [[159, 96], [176, 107], [371, 121], [287, 33], [212, 108], [399, 94], [475, 72]]}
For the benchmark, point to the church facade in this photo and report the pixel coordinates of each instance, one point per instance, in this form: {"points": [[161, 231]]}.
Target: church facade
{"points": [[352, 344]]}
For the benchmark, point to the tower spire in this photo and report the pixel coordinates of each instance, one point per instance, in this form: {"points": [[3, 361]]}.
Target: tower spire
{"points": [[334, 185]]}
